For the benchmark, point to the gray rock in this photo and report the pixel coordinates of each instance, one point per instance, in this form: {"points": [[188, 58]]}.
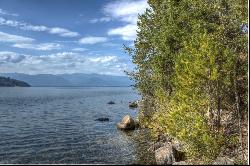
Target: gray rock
{"points": [[155, 146], [111, 102], [102, 119], [179, 151], [133, 104], [223, 161], [168, 152], [127, 123], [180, 163], [164, 155]]}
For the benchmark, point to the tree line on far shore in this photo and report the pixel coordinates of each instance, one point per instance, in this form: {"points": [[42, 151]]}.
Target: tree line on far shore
{"points": [[8, 82]]}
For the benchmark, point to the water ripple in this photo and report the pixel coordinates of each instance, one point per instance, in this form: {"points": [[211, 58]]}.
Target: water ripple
{"points": [[57, 126]]}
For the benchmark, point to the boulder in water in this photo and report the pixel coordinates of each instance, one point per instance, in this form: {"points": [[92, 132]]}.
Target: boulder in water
{"points": [[127, 123]]}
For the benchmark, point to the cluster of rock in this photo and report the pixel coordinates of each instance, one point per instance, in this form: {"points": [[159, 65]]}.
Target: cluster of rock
{"points": [[168, 152], [128, 123], [171, 152]]}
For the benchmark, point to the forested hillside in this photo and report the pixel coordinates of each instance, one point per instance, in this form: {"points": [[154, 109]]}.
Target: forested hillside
{"points": [[8, 82], [192, 72]]}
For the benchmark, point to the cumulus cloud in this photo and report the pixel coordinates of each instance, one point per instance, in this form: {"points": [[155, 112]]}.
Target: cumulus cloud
{"points": [[125, 11], [41, 47], [39, 28], [62, 62], [127, 32], [92, 40], [5, 37]]}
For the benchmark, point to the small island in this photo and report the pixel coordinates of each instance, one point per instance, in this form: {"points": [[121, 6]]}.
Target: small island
{"points": [[8, 82]]}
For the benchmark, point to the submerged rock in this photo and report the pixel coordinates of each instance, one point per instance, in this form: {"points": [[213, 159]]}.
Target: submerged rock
{"points": [[127, 123], [133, 104], [102, 119], [223, 161], [111, 102]]}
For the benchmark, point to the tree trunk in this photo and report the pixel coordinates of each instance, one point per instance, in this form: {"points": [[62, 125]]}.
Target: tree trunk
{"points": [[218, 120], [237, 104]]}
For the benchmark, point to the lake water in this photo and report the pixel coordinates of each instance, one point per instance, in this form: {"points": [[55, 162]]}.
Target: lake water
{"points": [[57, 125]]}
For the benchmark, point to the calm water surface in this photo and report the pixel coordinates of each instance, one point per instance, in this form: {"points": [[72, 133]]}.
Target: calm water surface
{"points": [[57, 125]]}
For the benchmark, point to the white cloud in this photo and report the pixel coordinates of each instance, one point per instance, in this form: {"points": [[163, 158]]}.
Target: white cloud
{"points": [[5, 37], [41, 47], [12, 57], [39, 28], [92, 40], [125, 11], [63, 32], [3, 12], [79, 49], [8, 22], [27, 43], [62, 62], [104, 59], [127, 32], [102, 19]]}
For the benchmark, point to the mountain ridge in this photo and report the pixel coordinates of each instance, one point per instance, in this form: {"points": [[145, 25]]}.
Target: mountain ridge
{"points": [[70, 80]]}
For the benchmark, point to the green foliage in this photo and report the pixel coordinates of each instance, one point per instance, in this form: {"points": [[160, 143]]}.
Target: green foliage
{"points": [[192, 68], [8, 82]]}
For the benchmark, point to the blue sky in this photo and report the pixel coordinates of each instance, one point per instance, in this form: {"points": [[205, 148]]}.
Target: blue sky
{"points": [[67, 36]]}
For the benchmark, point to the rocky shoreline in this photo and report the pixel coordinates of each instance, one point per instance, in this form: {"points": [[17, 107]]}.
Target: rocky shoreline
{"points": [[166, 150]]}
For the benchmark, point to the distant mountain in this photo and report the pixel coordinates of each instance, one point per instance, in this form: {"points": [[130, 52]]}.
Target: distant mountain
{"points": [[77, 79], [8, 82]]}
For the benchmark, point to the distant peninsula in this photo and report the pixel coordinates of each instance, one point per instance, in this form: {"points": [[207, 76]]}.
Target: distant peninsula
{"points": [[8, 82]]}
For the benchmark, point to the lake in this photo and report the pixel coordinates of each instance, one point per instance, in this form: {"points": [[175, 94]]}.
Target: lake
{"points": [[56, 125]]}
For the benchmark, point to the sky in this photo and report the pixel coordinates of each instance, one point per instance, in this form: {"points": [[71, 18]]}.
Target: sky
{"points": [[67, 36]]}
